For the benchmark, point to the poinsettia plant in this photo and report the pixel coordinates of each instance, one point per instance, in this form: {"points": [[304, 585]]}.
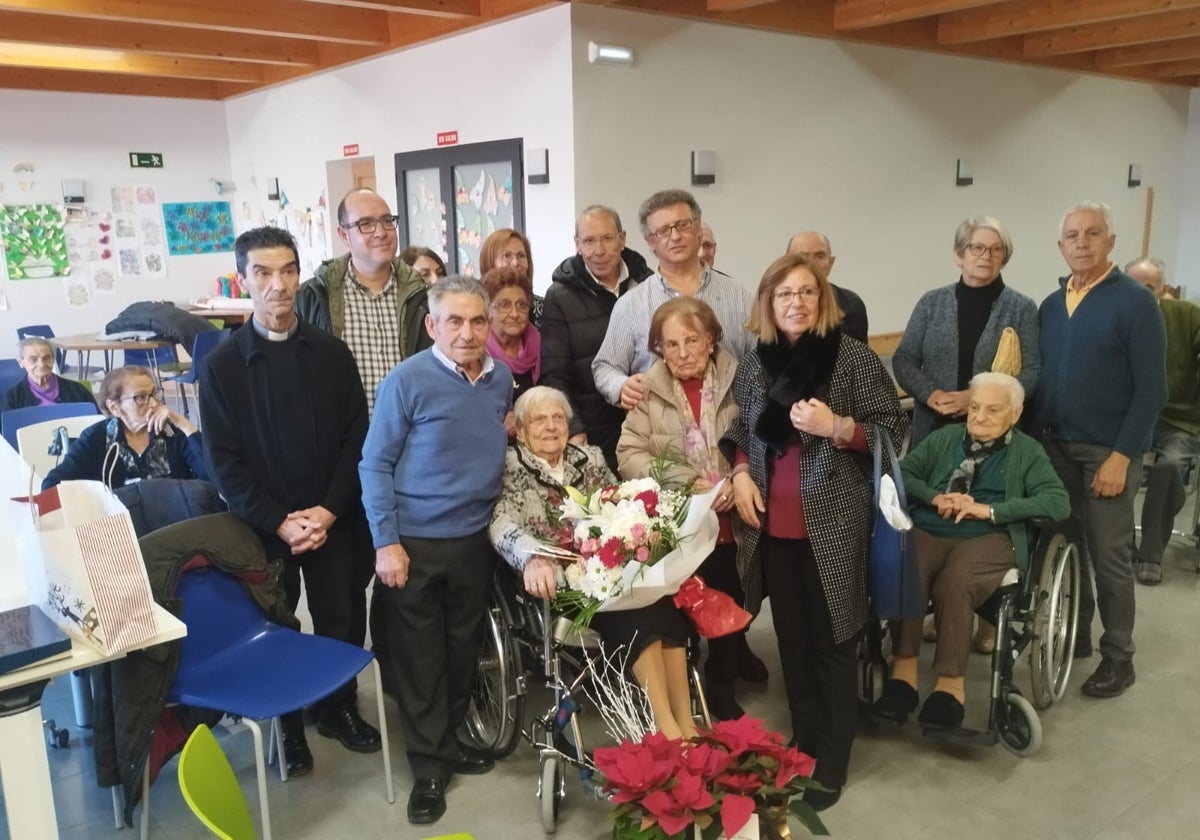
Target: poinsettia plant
{"points": [[663, 788]]}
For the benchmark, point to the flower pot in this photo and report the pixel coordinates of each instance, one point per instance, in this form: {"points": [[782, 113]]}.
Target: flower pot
{"points": [[748, 832]]}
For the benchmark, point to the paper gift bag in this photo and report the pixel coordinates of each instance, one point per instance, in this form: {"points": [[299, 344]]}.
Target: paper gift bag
{"points": [[96, 588]]}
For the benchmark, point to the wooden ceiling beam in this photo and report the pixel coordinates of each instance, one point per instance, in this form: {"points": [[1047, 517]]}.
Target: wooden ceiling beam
{"points": [[1175, 69], [73, 81], [52, 30], [1022, 17], [107, 61], [1143, 30], [862, 14], [1181, 50], [732, 5], [285, 18], [432, 8]]}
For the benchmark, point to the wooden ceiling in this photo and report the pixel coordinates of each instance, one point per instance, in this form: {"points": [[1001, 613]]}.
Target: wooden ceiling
{"points": [[214, 49]]}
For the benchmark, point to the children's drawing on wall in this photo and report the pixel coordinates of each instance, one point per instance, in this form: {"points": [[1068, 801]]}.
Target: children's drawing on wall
{"points": [[124, 199], [91, 247], [198, 227], [150, 237], [33, 240], [482, 210], [24, 172], [78, 290], [426, 210]]}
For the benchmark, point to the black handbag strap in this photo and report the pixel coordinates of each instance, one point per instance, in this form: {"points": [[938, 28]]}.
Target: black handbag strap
{"points": [[885, 442]]}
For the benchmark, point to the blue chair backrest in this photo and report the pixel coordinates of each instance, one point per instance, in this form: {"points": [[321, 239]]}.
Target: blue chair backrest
{"points": [[219, 615], [149, 358], [205, 343], [18, 418], [10, 374]]}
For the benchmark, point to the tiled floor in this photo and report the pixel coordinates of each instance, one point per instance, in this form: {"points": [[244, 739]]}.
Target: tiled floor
{"points": [[1123, 768]]}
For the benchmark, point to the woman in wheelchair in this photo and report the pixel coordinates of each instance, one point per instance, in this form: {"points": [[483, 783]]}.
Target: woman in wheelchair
{"points": [[972, 489], [537, 468]]}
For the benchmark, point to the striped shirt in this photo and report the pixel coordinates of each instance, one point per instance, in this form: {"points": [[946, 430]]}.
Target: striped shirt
{"points": [[371, 331], [624, 351]]}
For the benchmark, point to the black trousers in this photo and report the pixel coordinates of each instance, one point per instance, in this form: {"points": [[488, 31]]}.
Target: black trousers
{"points": [[433, 626], [820, 674], [328, 574], [720, 572]]}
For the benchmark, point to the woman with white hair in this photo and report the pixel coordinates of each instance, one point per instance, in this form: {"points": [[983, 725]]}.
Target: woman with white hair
{"points": [[41, 385], [972, 489], [956, 331], [538, 466]]}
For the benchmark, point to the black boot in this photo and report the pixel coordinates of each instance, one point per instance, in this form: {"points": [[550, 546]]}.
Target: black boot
{"points": [[298, 758]]}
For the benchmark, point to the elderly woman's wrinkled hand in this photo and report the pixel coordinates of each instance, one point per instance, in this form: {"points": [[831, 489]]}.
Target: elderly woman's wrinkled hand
{"points": [[160, 416], [747, 499], [813, 417], [723, 501], [540, 578]]}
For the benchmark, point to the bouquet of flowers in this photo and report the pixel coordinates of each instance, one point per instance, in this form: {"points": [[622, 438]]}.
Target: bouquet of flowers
{"points": [[624, 546], [673, 790]]}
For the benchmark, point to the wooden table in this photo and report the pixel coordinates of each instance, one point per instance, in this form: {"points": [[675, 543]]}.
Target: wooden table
{"points": [[83, 345]]}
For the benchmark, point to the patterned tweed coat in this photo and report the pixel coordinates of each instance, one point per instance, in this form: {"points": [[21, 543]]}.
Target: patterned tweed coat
{"points": [[835, 483]]}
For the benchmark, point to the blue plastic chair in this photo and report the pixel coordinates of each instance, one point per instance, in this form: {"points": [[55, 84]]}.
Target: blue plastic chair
{"points": [[17, 418], [205, 343], [10, 374], [237, 661]]}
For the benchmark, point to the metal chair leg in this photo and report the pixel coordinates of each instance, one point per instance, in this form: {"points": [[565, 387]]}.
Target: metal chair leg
{"points": [[383, 734], [261, 768]]}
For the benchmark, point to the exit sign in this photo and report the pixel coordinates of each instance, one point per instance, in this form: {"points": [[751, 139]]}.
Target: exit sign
{"points": [[447, 138], [350, 150], [151, 160]]}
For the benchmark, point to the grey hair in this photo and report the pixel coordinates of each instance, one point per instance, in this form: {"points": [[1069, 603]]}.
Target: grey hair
{"points": [[962, 236], [454, 284], [792, 238], [32, 341], [1016, 391], [665, 198], [599, 210], [1089, 207], [1156, 264], [537, 395]]}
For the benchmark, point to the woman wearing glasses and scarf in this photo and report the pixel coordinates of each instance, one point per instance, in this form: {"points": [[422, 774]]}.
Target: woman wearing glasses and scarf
{"points": [[812, 404], [972, 488], [141, 438], [512, 339]]}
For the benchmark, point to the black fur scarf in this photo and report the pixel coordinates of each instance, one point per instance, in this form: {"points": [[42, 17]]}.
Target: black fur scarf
{"points": [[794, 372]]}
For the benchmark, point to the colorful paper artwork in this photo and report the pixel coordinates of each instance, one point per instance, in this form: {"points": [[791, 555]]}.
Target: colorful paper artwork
{"points": [[480, 210], [92, 251], [198, 227], [35, 246], [426, 210]]}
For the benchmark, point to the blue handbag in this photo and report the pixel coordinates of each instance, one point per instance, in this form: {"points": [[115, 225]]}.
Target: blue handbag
{"points": [[892, 572]]}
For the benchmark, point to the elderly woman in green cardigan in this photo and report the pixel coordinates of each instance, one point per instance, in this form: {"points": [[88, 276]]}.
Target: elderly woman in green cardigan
{"points": [[972, 489]]}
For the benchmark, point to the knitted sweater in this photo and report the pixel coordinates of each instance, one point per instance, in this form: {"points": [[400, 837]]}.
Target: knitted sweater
{"points": [[1103, 368], [927, 358], [434, 455]]}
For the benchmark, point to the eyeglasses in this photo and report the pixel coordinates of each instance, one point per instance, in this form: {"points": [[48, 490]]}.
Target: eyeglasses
{"points": [[978, 249], [142, 400], [506, 306], [514, 256], [691, 344], [590, 242], [664, 232], [370, 225], [787, 297]]}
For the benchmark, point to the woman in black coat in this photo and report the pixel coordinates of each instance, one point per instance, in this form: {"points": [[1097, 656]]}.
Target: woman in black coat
{"points": [[812, 403], [41, 385]]}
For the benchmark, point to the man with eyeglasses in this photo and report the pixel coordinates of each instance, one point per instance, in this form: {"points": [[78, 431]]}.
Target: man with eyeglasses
{"points": [[670, 221], [285, 418], [583, 291], [816, 246], [1102, 386]]}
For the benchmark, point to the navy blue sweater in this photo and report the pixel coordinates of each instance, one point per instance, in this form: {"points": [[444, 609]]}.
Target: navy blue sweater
{"points": [[434, 456], [1104, 368]]}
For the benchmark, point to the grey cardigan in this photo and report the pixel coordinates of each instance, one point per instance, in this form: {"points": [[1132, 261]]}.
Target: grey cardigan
{"points": [[927, 358]]}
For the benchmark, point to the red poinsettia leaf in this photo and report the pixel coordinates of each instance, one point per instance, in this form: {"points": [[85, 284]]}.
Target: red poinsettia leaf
{"points": [[735, 813], [691, 792]]}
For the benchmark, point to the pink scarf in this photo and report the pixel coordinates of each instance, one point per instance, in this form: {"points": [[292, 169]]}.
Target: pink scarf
{"points": [[530, 357]]}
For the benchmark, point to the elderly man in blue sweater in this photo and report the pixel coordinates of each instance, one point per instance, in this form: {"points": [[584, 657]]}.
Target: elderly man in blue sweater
{"points": [[1103, 384], [431, 473]]}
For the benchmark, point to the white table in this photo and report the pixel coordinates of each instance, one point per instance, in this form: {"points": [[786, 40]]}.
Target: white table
{"points": [[24, 767]]}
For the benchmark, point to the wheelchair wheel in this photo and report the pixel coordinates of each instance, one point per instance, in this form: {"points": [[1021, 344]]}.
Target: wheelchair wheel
{"points": [[1055, 623], [1018, 725], [550, 790], [493, 720]]}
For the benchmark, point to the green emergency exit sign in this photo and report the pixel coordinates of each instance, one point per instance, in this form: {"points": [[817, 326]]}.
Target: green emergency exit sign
{"points": [[151, 160]]}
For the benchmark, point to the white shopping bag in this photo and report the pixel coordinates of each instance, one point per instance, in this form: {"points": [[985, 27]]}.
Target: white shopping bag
{"points": [[643, 585], [95, 586], [890, 507]]}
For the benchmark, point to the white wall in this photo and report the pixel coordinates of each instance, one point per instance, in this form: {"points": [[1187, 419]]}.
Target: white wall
{"points": [[1185, 268], [861, 142], [508, 80], [89, 137]]}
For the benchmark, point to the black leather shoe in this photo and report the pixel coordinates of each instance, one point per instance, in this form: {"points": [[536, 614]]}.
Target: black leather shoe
{"points": [[722, 706], [941, 713], [1110, 679], [1083, 648], [472, 762], [819, 800], [296, 754], [427, 802], [897, 701], [346, 725]]}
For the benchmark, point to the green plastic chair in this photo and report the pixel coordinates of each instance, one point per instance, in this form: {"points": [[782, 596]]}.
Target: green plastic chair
{"points": [[462, 836], [211, 789]]}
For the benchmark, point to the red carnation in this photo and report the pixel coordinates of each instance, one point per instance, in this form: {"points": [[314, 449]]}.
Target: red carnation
{"points": [[610, 553], [649, 500]]}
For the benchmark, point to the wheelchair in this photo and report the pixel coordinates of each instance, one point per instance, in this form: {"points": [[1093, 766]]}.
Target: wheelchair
{"points": [[524, 640], [1036, 612]]}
